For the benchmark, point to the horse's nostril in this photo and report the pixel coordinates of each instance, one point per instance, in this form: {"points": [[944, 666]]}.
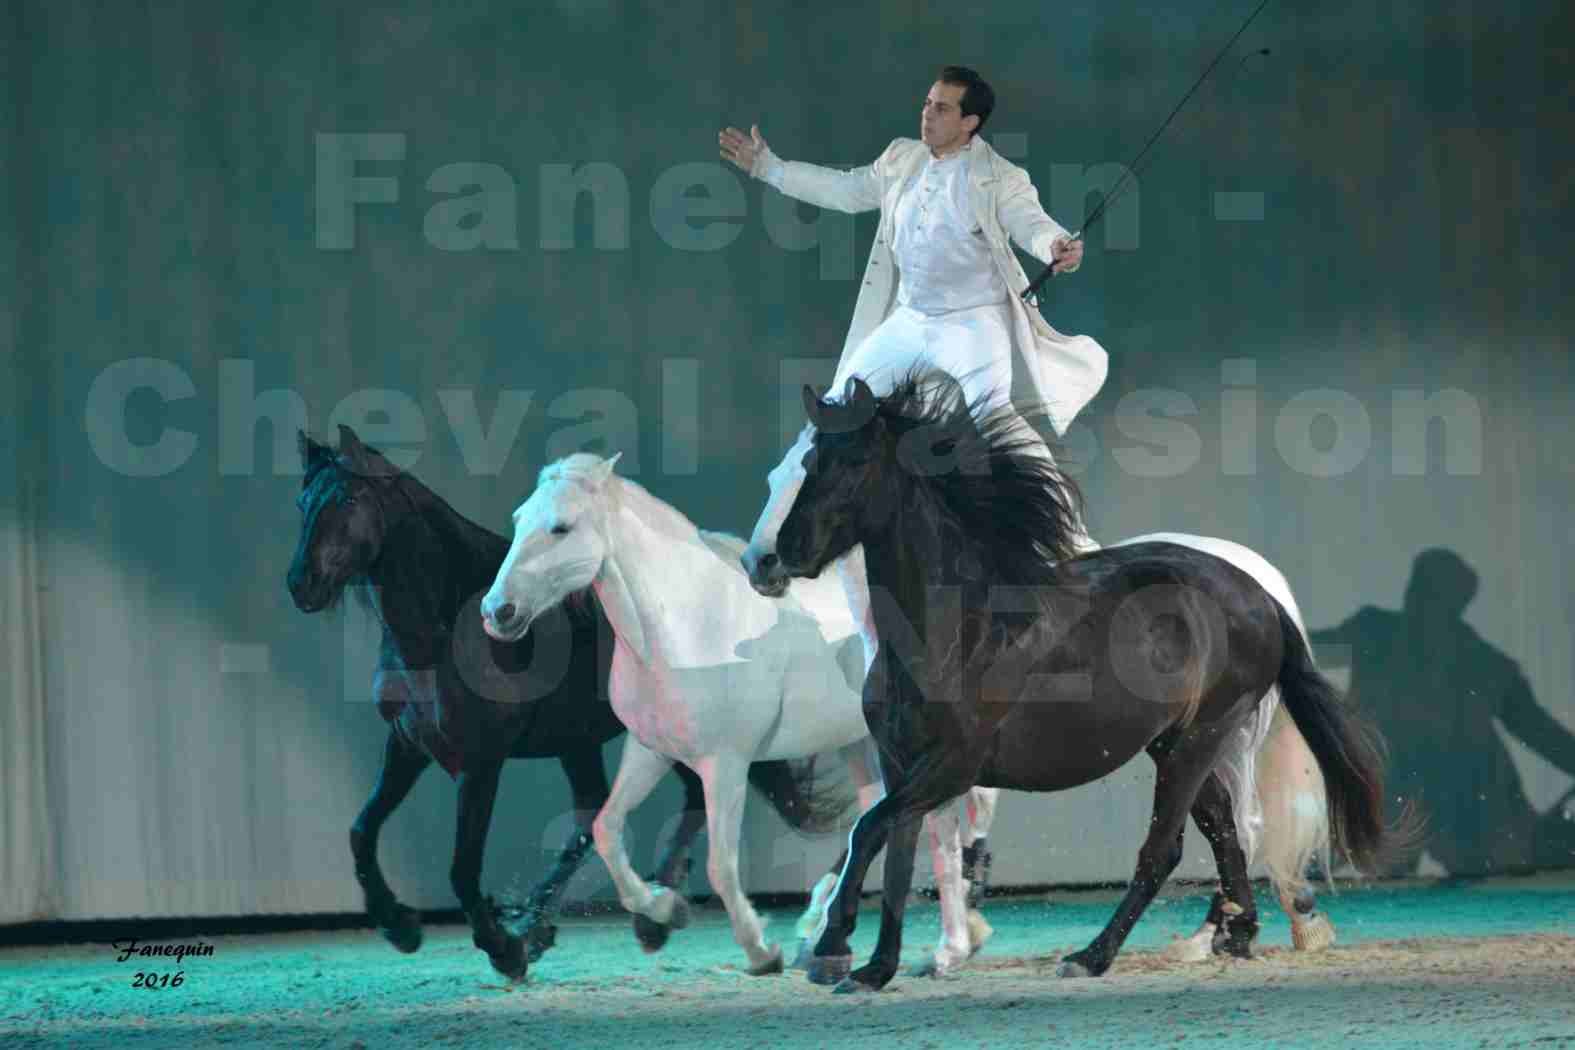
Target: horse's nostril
{"points": [[504, 613], [769, 561]]}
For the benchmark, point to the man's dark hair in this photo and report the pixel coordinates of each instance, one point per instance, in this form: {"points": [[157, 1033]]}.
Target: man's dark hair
{"points": [[978, 97]]}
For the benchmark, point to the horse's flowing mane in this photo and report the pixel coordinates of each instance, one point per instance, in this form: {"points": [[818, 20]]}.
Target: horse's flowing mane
{"points": [[1003, 490], [455, 555], [654, 512]]}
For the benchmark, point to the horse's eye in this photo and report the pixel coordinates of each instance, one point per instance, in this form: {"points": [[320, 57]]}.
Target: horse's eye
{"points": [[561, 530]]}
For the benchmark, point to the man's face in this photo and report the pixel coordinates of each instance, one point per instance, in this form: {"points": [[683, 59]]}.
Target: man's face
{"points": [[941, 123]]}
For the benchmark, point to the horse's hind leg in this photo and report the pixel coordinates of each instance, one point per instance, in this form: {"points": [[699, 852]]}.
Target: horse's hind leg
{"points": [[1181, 770], [1295, 828], [956, 946], [1231, 925], [726, 788], [403, 763], [478, 789], [1232, 909], [976, 856], [673, 871], [588, 786]]}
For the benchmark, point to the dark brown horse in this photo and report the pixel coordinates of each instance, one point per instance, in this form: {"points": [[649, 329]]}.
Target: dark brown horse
{"points": [[452, 694], [1008, 661]]}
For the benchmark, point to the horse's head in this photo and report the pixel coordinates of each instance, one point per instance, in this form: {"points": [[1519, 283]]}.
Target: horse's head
{"points": [[560, 542], [844, 496], [344, 518]]}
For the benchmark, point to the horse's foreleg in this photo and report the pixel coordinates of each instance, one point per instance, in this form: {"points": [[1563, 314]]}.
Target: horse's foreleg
{"points": [[639, 771], [726, 787], [864, 772], [588, 786], [833, 955], [882, 967], [403, 763], [478, 789]]}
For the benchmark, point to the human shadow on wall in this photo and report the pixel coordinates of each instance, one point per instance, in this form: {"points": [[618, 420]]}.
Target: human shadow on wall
{"points": [[1436, 687]]}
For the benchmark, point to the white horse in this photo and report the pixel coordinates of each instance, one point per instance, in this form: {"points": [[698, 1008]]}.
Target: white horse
{"points": [[708, 673], [1277, 788]]}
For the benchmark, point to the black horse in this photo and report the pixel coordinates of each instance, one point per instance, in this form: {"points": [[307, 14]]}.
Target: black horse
{"points": [[452, 694], [1006, 660]]}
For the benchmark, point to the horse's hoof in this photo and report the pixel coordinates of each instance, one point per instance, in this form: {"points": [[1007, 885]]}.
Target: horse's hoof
{"points": [[1072, 968], [979, 932], [538, 939], [1236, 947], [1190, 949], [805, 953], [511, 961], [678, 916], [829, 969], [651, 934], [1312, 933], [865, 979], [933, 969], [848, 986], [772, 965], [403, 930]]}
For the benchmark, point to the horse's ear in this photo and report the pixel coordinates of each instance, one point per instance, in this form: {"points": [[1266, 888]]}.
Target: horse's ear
{"points": [[349, 444], [604, 469], [861, 399], [812, 404], [311, 451]]}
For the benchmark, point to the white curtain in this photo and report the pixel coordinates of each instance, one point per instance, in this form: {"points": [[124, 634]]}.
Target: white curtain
{"points": [[26, 840]]}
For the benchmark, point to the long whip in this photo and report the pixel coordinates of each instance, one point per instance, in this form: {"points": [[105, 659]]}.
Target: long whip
{"points": [[1131, 170]]}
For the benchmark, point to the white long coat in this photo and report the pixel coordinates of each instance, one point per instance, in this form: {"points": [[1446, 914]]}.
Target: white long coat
{"points": [[1066, 370]]}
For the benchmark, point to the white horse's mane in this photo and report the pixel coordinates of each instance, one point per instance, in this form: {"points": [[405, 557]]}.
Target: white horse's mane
{"points": [[585, 468]]}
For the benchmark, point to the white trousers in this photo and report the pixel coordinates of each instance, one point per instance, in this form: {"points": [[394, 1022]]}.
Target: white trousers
{"points": [[972, 346]]}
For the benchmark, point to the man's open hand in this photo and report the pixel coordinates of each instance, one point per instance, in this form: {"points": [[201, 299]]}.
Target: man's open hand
{"points": [[743, 150]]}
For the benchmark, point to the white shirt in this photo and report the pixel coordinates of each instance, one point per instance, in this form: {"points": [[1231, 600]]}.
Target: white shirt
{"points": [[943, 259]]}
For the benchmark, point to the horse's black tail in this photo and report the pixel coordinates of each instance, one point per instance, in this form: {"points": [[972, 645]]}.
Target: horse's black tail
{"points": [[792, 790], [1351, 754]]}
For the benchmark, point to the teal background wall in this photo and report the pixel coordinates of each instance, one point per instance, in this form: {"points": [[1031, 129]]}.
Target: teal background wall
{"points": [[1376, 215]]}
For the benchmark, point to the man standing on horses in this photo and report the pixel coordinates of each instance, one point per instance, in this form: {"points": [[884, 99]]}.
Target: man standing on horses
{"points": [[940, 293], [940, 289]]}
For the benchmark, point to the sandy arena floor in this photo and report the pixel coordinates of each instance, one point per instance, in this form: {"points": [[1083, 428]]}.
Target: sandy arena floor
{"points": [[1481, 964]]}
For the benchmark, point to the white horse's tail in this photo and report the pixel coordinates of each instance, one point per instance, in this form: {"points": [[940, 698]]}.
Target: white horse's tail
{"points": [[1295, 808]]}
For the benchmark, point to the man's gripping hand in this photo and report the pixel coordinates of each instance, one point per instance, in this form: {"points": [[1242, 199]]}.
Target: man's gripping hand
{"points": [[1068, 254]]}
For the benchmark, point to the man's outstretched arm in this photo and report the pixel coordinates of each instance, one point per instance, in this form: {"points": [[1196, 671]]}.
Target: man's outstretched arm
{"points": [[850, 191], [1533, 725]]}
